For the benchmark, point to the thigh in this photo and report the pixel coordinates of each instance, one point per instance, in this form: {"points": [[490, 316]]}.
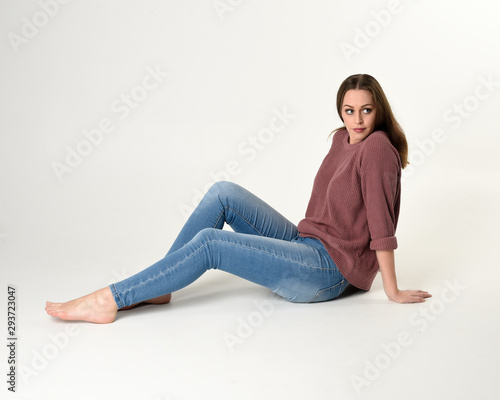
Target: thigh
{"points": [[228, 202], [295, 270], [247, 213]]}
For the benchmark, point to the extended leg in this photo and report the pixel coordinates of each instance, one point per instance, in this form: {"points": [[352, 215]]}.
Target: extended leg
{"points": [[299, 270], [293, 269]]}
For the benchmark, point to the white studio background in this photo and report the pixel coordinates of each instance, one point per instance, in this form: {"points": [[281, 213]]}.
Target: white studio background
{"points": [[185, 91]]}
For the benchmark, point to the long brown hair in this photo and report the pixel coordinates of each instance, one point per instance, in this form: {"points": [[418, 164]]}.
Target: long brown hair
{"points": [[385, 119]]}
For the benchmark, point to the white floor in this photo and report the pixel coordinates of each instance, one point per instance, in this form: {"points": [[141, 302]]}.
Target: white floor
{"points": [[225, 338]]}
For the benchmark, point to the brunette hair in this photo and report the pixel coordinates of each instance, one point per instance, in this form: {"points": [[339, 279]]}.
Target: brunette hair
{"points": [[384, 120]]}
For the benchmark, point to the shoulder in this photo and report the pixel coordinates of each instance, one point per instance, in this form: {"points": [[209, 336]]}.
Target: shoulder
{"points": [[379, 142], [339, 137], [377, 139], [341, 133], [377, 147]]}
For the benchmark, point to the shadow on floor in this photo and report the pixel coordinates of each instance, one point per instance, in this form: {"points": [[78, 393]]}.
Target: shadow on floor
{"points": [[351, 290]]}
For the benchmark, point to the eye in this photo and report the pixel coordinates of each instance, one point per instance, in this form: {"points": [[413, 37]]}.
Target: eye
{"points": [[367, 110], [348, 111]]}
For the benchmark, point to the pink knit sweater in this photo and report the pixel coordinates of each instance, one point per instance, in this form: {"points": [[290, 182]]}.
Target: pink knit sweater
{"points": [[354, 205]]}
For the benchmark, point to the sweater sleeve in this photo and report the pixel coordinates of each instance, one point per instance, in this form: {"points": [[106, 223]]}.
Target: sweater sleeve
{"points": [[380, 174]]}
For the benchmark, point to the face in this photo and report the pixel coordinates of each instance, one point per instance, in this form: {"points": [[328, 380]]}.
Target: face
{"points": [[358, 113]]}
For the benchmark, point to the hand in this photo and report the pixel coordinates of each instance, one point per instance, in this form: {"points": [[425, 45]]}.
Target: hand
{"points": [[409, 296]]}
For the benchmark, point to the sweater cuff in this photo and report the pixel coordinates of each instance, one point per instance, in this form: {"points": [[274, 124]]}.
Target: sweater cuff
{"points": [[387, 243]]}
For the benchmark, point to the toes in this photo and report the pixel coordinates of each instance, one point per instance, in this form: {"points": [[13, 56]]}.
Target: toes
{"points": [[56, 314], [52, 307], [51, 313]]}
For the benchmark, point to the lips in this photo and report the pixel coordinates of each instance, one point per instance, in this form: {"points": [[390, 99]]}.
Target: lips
{"points": [[358, 130]]}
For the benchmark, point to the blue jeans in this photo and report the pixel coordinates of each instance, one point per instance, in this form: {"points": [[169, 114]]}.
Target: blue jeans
{"points": [[265, 248]]}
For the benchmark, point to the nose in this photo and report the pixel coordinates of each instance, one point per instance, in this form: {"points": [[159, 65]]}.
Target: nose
{"points": [[359, 119]]}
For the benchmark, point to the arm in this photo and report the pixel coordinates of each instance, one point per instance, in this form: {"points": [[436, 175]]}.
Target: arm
{"points": [[386, 262]]}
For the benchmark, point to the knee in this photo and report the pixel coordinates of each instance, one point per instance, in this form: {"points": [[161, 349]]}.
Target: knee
{"points": [[223, 190], [206, 235], [222, 187], [207, 242]]}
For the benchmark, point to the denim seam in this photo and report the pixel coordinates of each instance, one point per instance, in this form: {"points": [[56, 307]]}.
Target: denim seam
{"points": [[267, 252], [117, 295], [218, 218], [325, 289], [244, 219]]}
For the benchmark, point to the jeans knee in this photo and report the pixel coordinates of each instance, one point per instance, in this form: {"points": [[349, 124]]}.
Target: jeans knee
{"points": [[222, 187], [205, 235], [205, 242], [225, 186], [224, 190]]}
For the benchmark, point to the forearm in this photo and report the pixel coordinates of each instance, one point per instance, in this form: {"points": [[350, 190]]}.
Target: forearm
{"points": [[387, 266]]}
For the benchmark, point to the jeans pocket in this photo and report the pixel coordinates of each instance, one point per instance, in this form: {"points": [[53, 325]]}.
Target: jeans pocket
{"points": [[330, 293]]}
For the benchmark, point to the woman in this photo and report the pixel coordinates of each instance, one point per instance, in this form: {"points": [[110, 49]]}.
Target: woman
{"points": [[348, 232]]}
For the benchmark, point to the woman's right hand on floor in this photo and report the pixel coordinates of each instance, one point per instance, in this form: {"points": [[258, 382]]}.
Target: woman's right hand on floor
{"points": [[409, 296]]}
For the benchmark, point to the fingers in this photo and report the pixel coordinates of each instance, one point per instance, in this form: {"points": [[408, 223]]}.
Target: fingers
{"points": [[413, 299], [421, 293], [419, 296]]}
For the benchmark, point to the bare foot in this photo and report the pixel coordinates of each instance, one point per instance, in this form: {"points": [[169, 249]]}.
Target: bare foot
{"points": [[157, 300], [98, 307]]}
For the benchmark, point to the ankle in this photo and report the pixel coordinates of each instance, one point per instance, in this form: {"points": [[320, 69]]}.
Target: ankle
{"points": [[105, 298]]}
